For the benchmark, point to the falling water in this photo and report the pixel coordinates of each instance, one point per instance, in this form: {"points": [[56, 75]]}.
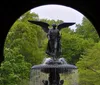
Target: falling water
{"points": [[70, 78], [75, 77], [37, 77]]}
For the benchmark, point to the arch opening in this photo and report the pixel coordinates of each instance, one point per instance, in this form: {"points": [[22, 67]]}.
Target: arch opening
{"points": [[24, 42]]}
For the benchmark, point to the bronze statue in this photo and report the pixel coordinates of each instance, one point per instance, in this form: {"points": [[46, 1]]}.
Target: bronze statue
{"points": [[53, 66], [54, 45]]}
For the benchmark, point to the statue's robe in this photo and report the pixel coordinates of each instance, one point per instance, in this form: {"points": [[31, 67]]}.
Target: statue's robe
{"points": [[53, 38]]}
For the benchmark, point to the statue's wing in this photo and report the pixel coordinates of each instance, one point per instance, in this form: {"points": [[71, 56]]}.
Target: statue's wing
{"points": [[42, 24], [63, 25]]}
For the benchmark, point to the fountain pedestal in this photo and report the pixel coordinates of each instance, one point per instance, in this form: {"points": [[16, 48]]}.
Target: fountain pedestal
{"points": [[53, 69]]}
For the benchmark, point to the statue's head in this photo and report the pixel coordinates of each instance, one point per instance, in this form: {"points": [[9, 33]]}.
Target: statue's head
{"points": [[54, 26]]}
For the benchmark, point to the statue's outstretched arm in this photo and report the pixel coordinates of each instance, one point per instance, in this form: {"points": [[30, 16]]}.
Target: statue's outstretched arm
{"points": [[42, 24]]}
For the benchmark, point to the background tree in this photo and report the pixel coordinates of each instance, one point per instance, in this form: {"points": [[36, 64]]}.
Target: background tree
{"points": [[88, 66], [74, 45], [14, 70], [87, 30]]}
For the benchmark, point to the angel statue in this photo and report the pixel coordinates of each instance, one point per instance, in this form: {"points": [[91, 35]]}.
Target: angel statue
{"points": [[54, 37]]}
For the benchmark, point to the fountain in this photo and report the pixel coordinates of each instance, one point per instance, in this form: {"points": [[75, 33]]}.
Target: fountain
{"points": [[51, 70]]}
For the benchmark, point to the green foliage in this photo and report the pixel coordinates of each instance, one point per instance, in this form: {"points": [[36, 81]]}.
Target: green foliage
{"points": [[89, 71], [14, 69], [87, 30], [22, 50], [28, 38], [73, 46]]}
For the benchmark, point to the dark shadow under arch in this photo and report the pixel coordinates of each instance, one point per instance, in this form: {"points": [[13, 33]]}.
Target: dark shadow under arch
{"points": [[11, 10]]}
